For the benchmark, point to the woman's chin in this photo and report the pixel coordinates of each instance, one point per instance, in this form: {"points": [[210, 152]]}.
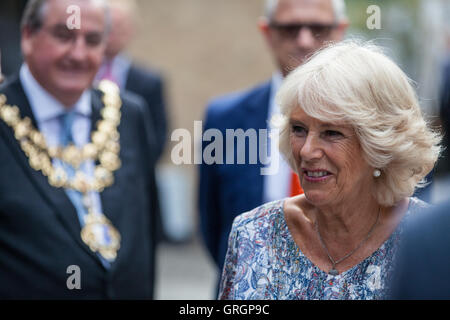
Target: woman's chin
{"points": [[317, 198]]}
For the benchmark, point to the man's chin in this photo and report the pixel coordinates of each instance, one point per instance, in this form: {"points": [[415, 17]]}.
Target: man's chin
{"points": [[68, 93], [298, 59], [75, 84], [73, 88], [71, 75]]}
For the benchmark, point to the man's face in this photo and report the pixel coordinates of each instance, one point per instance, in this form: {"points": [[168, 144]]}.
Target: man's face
{"points": [[122, 30], [65, 61], [300, 27]]}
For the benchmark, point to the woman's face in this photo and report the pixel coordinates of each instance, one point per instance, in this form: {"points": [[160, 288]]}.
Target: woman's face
{"points": [[329, 160]]}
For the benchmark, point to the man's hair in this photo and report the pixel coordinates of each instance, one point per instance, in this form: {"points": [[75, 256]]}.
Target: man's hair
{"points": [[34, 15], [130, 7], [338, 8]]}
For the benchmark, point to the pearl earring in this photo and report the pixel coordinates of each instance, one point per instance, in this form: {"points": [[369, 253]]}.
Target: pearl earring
{"points": [[377, 173]]}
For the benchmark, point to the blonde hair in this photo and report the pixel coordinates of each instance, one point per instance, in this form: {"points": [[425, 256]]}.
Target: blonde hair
{"points": [[358, 84]]}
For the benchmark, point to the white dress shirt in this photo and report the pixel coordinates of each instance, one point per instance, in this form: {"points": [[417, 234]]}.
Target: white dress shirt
{"points": [[276, 186], [48, 111]]}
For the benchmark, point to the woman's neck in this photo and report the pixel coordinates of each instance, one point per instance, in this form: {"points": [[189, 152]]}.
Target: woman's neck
{"points": [[347, 224]]}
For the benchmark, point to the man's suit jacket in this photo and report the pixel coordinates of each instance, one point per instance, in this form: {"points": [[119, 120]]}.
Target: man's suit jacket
{"points": [[227, 190], [149, 85], [423, 264], [444, 109], [40, 230]]}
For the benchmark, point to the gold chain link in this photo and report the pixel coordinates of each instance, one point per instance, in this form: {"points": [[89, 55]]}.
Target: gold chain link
{"points": [[104, 147]]}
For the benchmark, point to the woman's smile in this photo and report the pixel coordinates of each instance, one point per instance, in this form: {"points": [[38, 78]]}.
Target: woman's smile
{"points": [[315, 176]]}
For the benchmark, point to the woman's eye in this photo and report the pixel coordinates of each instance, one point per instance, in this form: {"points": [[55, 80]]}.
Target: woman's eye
{"points": [[332, 133], [298, 130]]}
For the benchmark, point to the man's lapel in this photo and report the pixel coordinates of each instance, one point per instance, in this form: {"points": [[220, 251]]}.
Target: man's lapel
{"points": [[55, 197]]}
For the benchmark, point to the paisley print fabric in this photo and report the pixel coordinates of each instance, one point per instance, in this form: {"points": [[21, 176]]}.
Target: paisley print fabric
{"points": [[263, 262]]}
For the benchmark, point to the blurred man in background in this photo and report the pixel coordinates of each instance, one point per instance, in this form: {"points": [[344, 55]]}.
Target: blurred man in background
{"points": [[148, 84], [424, 257], [293, 30], [444, 111], [1, 74], [120, 69], [76, 173]]}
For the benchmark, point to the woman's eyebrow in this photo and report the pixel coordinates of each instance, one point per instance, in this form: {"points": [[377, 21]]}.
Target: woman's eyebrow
{"points": [[322, 125], [334, 125], [293, 120]]}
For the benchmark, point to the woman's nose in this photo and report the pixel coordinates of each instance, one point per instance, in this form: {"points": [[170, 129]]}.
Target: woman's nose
{"points": [[311, 148]]}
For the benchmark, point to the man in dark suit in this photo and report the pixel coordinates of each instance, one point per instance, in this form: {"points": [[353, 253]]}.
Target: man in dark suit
{"points": [[131, 77], [128, 75], [72, 241], [293, 29], [423, 261], [2, 78], [444, 111]]}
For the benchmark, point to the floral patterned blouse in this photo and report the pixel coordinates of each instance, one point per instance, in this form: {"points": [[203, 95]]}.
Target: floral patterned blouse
{"points": [[263, 262]]}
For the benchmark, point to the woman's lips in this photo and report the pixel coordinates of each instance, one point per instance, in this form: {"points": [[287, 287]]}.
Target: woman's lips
{"points": [[316, 175]]}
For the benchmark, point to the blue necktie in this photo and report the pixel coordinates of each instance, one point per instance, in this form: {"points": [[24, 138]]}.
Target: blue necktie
{"points": [[66, 138], [67, 120], [75, 197]]}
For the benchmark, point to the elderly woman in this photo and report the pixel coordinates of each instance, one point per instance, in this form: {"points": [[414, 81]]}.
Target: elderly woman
{"points": [[351, 127]]}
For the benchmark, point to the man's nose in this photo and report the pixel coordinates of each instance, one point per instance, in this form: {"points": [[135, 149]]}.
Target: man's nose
{"points": [[305, 38], [79, 49], [311, 148]]}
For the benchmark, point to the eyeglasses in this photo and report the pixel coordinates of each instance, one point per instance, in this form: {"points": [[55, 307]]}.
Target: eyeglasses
{"points": [[290, 31], [65, 36]]}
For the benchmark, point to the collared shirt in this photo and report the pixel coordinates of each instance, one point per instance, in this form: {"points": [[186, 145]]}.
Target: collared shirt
{"points": [[276, 186], [48, 111], [119, 67]]}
